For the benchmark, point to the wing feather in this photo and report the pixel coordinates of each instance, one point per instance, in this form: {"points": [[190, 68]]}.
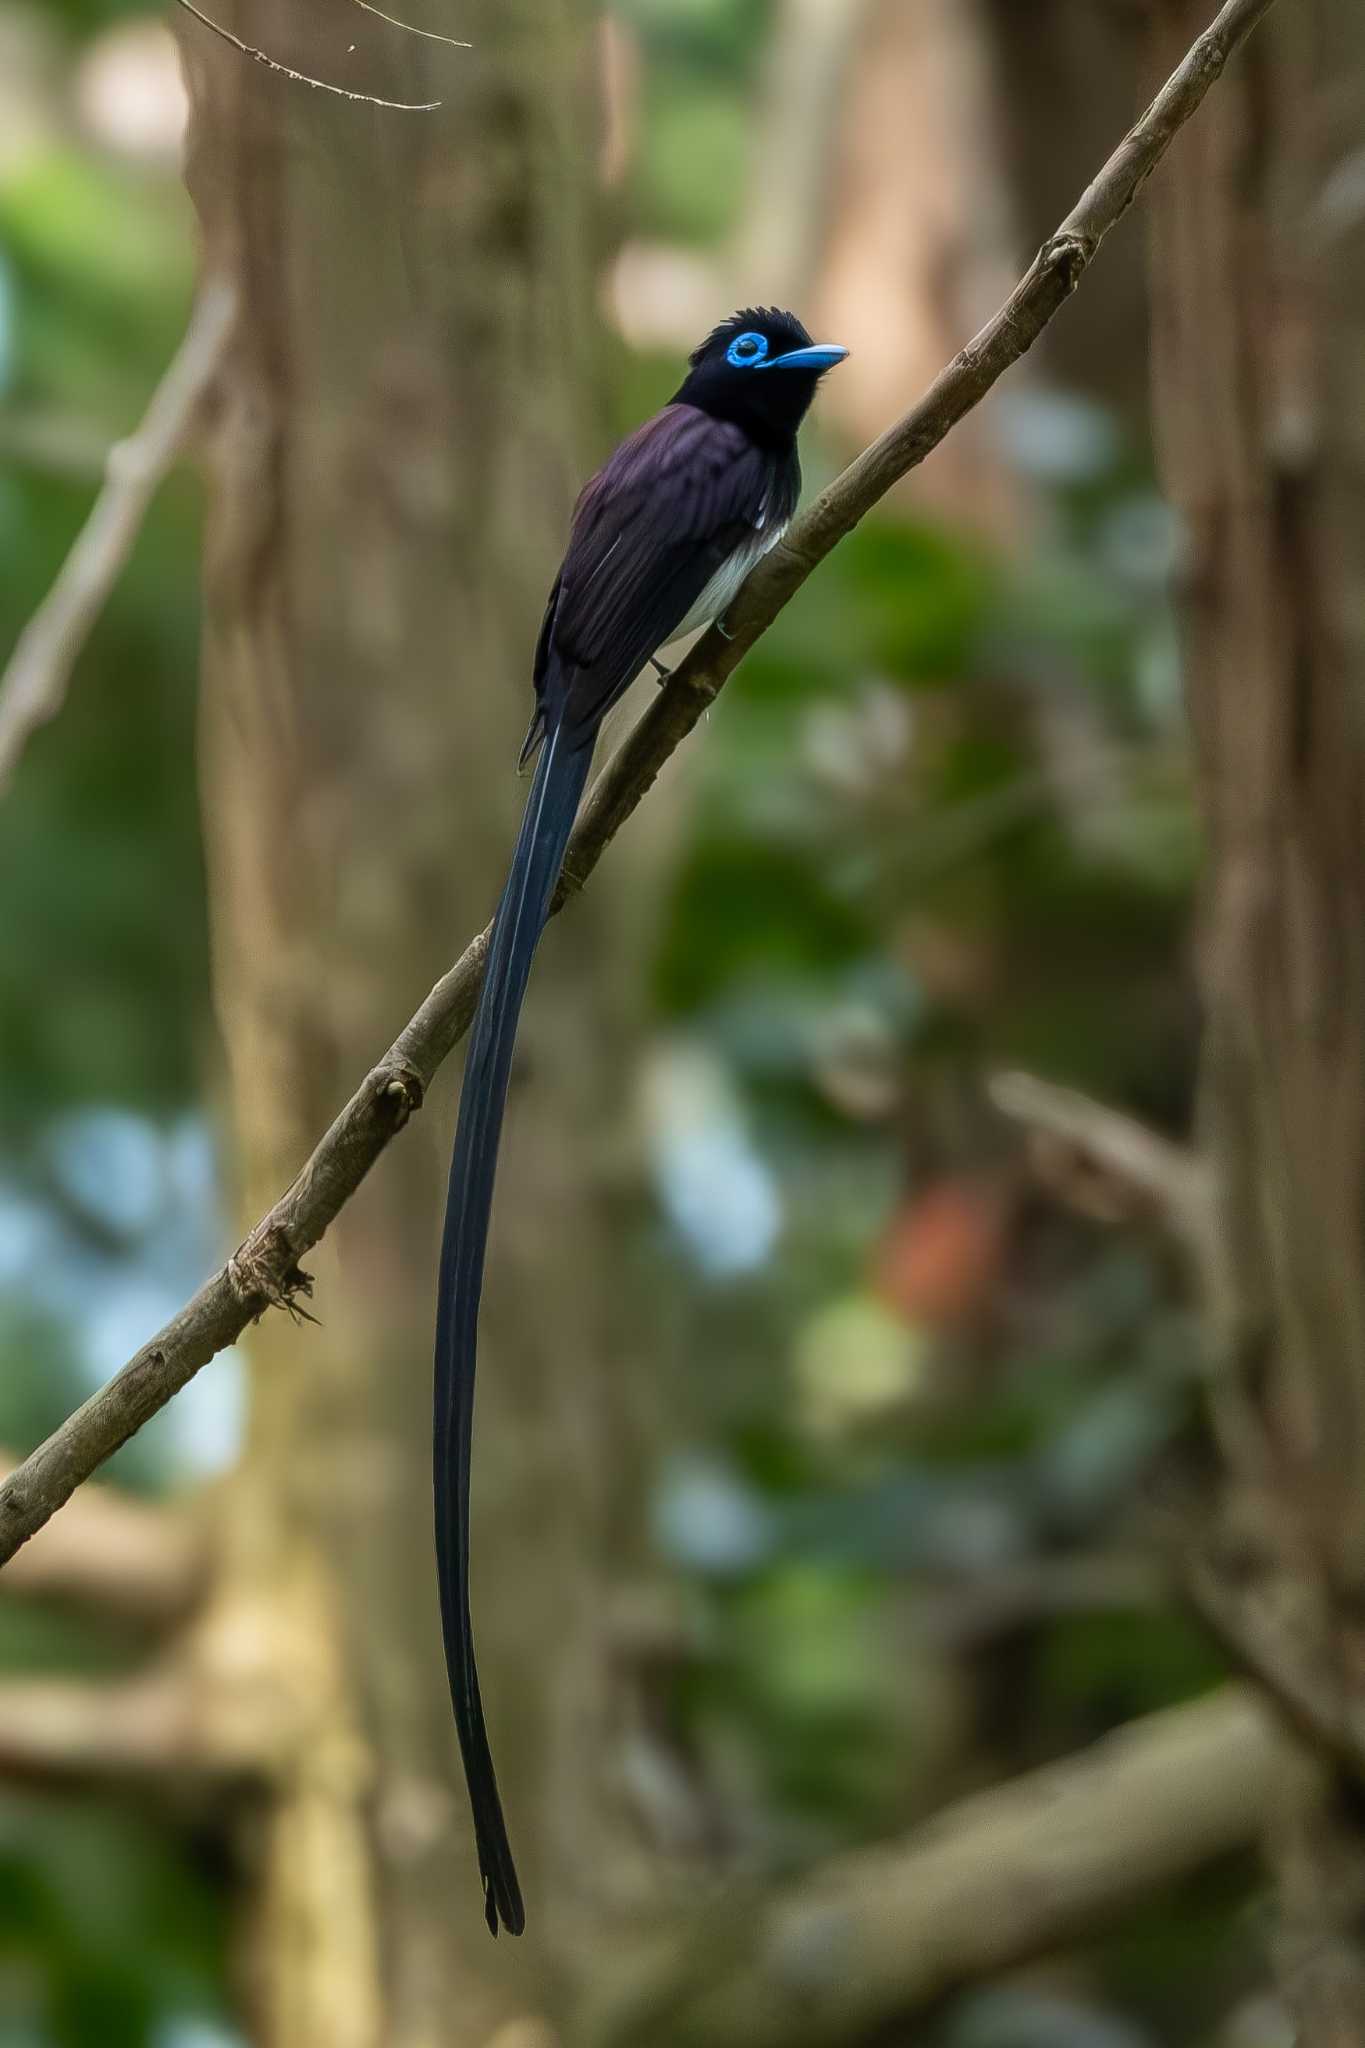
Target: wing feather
{"points": [[650, 531]]}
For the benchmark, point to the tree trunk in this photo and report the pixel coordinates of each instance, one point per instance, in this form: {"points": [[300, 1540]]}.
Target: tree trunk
{"points": [[1259, 293], [919, 248], [399, 432], [1065, 74]]}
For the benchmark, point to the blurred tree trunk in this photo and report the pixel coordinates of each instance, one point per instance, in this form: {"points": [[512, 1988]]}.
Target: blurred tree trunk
{"points": [[912, 155], [799, 120], [1066, 79], [1259, 332], [400, 428], [919, 245]]}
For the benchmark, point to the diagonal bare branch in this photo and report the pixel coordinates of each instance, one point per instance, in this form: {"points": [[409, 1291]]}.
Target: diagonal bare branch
{"points": [[266, 1269]]}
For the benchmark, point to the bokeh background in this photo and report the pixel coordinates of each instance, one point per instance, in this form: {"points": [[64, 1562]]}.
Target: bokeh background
{"points": [[825, 1416]]}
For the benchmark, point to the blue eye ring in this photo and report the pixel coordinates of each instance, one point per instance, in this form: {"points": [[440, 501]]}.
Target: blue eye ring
{"points": [[747, 351]]}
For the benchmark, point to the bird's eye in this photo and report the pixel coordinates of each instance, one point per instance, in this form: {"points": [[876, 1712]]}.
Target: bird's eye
{"points": [[747, 351]]}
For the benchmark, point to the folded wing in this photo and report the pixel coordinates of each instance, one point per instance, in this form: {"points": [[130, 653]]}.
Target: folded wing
{"points": [[650, 532]]}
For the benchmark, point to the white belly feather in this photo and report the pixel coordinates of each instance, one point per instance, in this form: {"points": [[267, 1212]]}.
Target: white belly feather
{"points": [[715, 599]]}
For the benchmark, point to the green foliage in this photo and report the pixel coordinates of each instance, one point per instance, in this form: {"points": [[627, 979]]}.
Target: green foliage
{"points": [[702, 62], [101, 893], [84, 18], [1187, 1958], [767, 916], [100, 262], [698, 158], [719, 41], [919, 597], [101, 897], [89, 1960], [1099, 1670]]}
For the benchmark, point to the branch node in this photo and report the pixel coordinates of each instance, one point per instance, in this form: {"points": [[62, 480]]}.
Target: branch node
{"points": [[1069, 254], [699, 679], [263, 1274], [297, 1282], [400, 1091], [1213, 57]]}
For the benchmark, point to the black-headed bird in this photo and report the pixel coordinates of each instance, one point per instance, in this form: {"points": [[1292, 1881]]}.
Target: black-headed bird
{"points": [[662, 538]]}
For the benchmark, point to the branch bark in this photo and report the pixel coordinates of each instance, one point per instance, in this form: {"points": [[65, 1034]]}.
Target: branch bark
{"points": [[34, 683], [882, 1935], [265, 1271]]}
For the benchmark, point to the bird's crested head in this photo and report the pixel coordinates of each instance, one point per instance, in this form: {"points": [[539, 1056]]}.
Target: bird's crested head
{"points": [[760, 369]]}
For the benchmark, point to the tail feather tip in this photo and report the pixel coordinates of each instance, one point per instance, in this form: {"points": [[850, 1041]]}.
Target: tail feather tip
{"points": [[502, 1906]]}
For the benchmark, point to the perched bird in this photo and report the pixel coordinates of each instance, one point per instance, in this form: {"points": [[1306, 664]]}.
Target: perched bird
{"points": [[662, 538]]}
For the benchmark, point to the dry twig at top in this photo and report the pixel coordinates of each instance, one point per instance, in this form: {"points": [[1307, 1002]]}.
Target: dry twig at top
{"points": [[410, 28], [365, 99]]}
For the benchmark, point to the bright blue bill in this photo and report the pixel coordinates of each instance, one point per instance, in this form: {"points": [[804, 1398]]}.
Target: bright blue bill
{"points": [[820, 356]]}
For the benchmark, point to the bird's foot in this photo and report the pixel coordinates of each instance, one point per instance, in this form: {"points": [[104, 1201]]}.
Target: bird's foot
{"points": [[723, 630], [663, 673]]}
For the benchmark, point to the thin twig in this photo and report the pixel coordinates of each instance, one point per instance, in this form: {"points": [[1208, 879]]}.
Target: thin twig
{"points": [[408, 28], [265, 1270], [367, 99], [1166, 1175], [968, 1610], [34, 683]]}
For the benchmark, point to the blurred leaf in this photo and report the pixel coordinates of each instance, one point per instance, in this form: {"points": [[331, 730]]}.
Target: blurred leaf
{"points": [[117, 1915], [745, 912], [1109, 1668]]}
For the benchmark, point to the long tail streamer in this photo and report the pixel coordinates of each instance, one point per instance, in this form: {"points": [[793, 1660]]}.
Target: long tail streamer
{"points": [[550, 811]]}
